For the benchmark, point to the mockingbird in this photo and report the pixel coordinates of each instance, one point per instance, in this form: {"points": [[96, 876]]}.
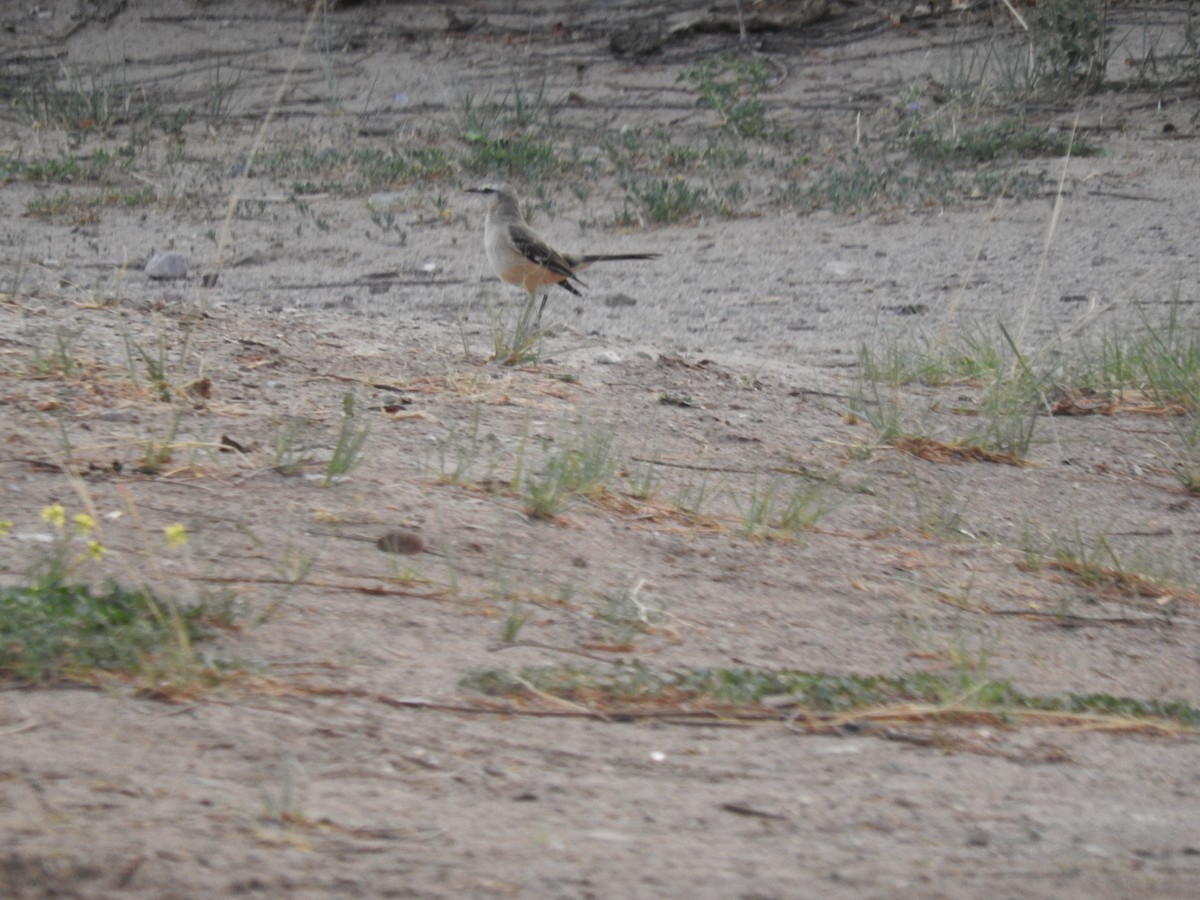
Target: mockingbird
{"points": [[522, 258]]}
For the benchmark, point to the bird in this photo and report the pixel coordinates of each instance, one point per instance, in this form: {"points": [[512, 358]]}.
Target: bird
{"points": [[521, 258]]}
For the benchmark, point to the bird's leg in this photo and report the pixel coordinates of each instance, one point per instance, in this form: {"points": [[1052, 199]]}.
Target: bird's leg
{"points": [[542, 308]]}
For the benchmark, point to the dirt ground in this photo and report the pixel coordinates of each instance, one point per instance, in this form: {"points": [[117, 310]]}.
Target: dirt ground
{"points": [[346, 759]]}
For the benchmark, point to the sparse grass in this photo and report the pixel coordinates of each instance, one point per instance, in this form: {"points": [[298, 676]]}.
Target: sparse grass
{"points": [[282, 795], [1070, 45], [579, 467], [1095, 563], [80, 103], [696, 495], [517, 332], [883, 409], [512, 137], [941, 698], [511, 625], [219, 99], [84, 209], [352, 436], [60, 358], [642, 479], [159, 448], [782, 510], [992, 141], [520, 157], [292, 442], [99, 166], [1158, 67], [464, 450], [860, 182], [164, 373], [661, 201], [1062, 53], [731, 87], [939, 509], [358, 170], [1004, 417]]}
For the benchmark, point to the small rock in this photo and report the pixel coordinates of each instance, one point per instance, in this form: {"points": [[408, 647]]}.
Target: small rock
{"points": [[167, 266], [609, 358], [388, 202], [977, 837], [401, 542], [616, 300]]}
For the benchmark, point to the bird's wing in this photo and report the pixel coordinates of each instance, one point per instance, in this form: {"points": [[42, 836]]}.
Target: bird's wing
{"points": [[537, 251]]}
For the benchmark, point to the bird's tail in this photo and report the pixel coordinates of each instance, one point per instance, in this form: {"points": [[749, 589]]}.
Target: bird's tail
{"points": [[603, 257]]}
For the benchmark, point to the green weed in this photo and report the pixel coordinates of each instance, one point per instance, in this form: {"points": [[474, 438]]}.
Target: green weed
{"points": [[731, 87], [348, 450], [629, 612], [517, 334], [63, 624], [782, 510], [580, 466], [662, 201]]}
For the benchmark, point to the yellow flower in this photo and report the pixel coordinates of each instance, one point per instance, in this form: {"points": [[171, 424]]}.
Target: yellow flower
{"points": [[176, 535], [5, 527], [55, 515], [83, 523], [95, 551]]}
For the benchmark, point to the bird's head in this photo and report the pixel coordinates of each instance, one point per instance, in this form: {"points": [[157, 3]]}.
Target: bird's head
{"points": [[500, 193]]}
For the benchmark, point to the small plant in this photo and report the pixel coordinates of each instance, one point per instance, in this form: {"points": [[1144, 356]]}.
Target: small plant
{"points": [[348, 452], [461, 453], [577, 468], [731, 87], [158, 450], [776, 512], [511, 625], [292, 442], [1071, 44], [218, 105], [62, 624], [694, 496], [61, 358], [516, 336], [662, 201], [883, 410], [1004, 140], [642, 478], [80, 104], [631, 611], [1013, 400], [282, 800], [163, 372], [1095, 563], [509, 136]]}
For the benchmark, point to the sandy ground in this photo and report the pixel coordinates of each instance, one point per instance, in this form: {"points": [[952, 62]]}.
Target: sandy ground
{"points": [[347, 760]]}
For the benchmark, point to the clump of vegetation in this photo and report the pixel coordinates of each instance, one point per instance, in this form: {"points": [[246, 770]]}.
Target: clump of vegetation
{"points": [[634, 686], [61, 625], [731, 86]]}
